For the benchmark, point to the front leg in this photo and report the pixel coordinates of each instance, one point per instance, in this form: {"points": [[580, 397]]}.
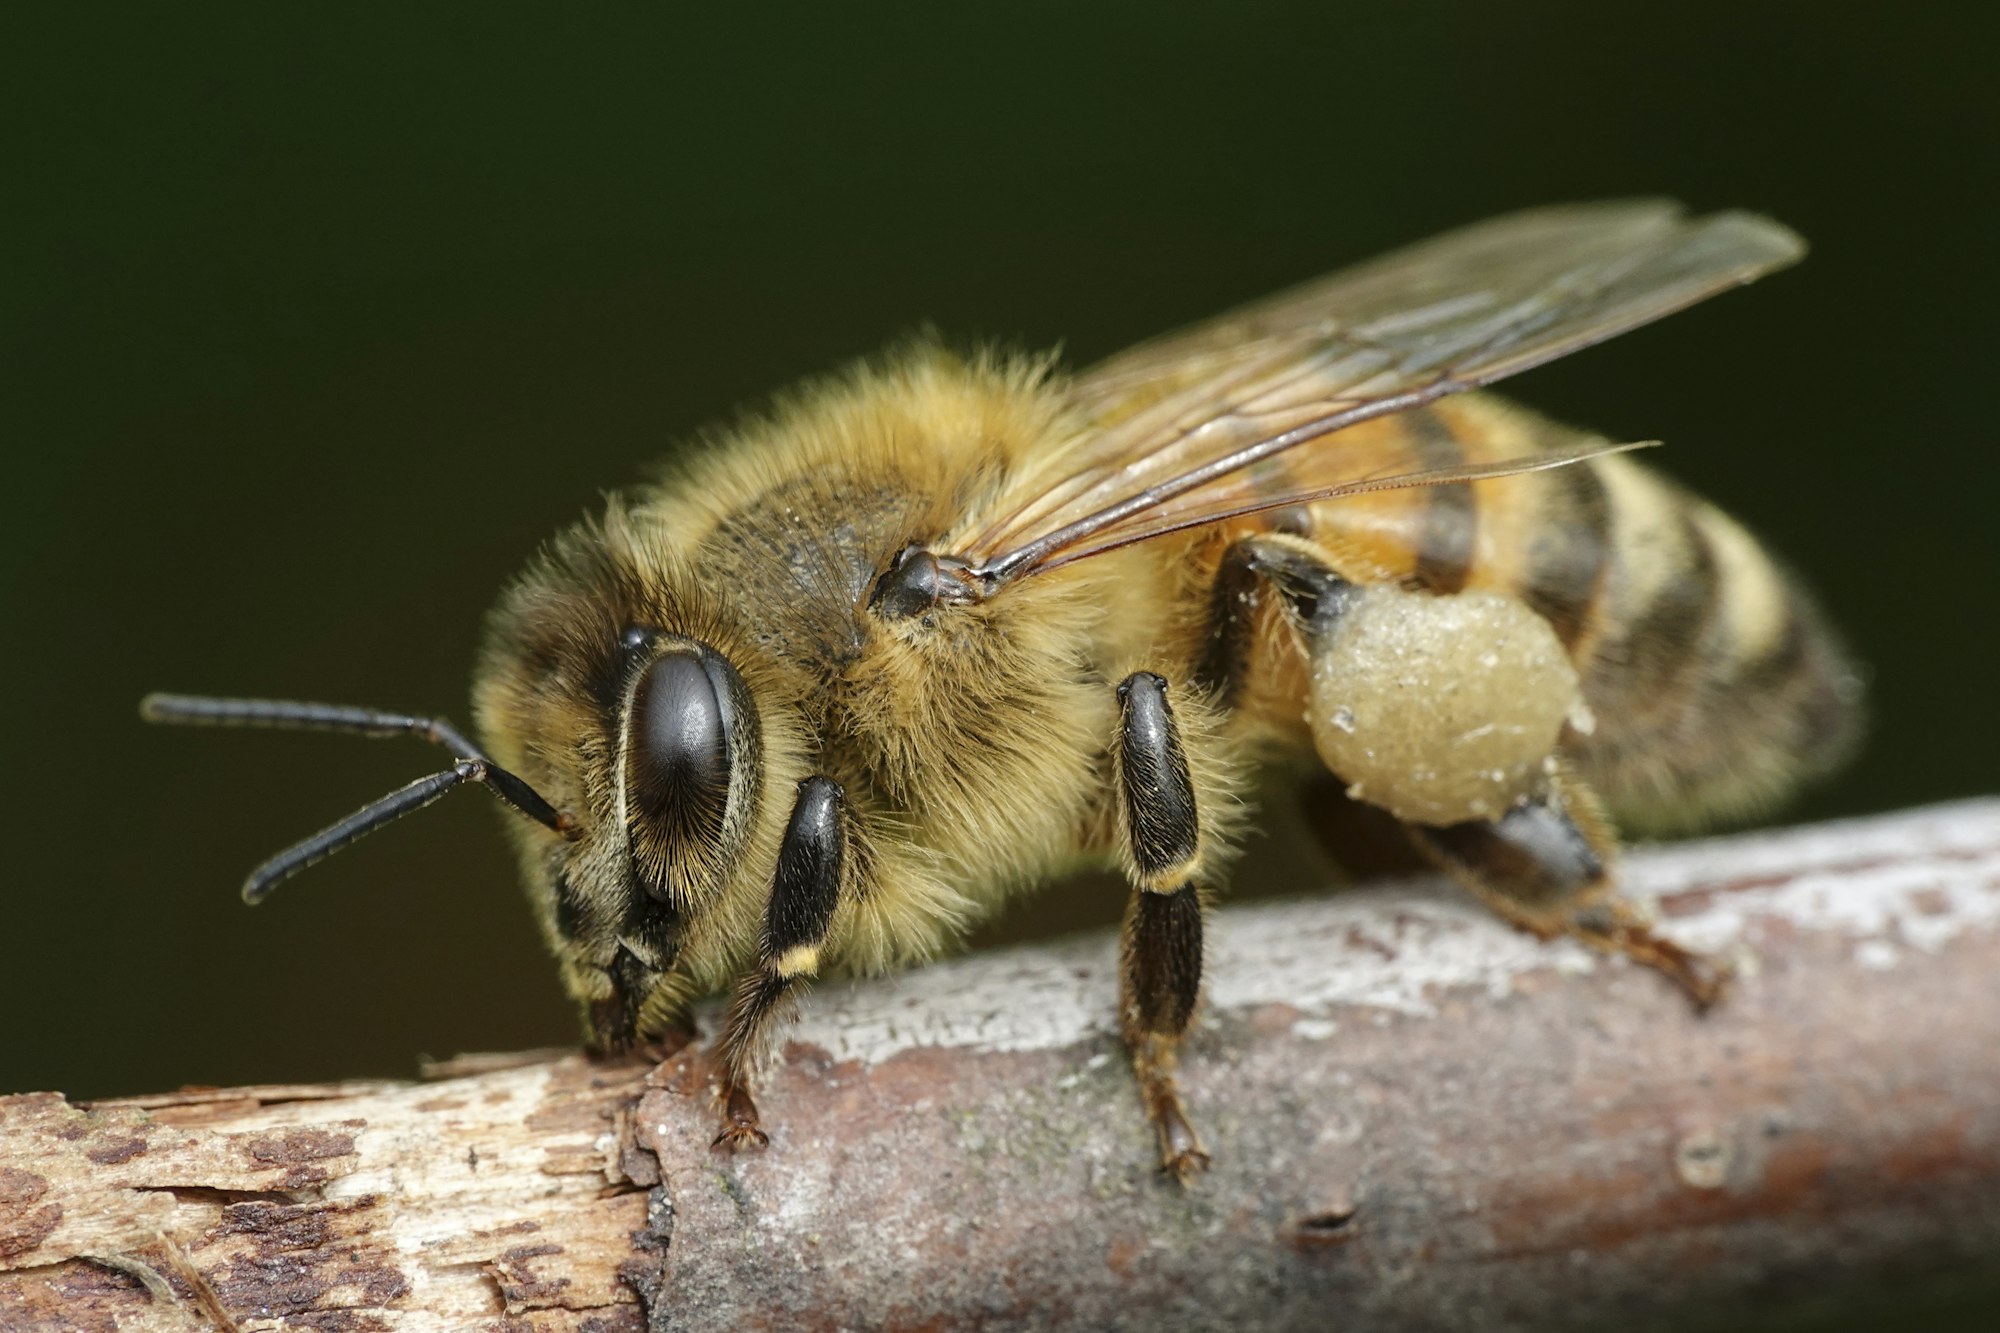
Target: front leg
{"points": [[1160, 971], [804, 894]]}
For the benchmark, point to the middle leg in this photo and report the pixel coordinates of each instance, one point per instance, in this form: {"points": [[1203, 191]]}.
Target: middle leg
{"points": [[1160, 964]]}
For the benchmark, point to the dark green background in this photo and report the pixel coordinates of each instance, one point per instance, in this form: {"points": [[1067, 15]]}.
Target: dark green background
{"points": [[316, 323]]}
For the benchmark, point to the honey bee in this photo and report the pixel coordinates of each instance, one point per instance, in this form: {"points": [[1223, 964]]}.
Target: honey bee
{"points": [[928, 634]]}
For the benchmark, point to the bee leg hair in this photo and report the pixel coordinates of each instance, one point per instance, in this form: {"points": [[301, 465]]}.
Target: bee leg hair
{"points": [[1546, 866], [1314, 594], [804, 894], [1160, 963]]}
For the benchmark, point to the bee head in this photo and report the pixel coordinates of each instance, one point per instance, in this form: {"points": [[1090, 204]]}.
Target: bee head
{"points": [[616, 721], [611, 684]]}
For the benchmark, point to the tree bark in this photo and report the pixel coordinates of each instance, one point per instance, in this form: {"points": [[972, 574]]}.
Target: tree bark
{"points": [[1418, 1118]]}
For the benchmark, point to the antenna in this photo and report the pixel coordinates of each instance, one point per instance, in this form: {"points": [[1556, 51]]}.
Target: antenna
{"points": [[198, 710]]}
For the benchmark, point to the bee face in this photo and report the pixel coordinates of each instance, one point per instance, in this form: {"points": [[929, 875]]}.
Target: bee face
{"points": [[604, 687]]}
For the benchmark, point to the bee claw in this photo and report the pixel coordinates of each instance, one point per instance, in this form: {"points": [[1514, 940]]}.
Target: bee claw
{"points": [[740, 1122], [739, 1138], [1181, 1153], [1184, 1166], [1705, 978]]}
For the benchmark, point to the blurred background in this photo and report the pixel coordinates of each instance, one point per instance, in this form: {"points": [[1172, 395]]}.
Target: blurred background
{"points": [[316, 324]]}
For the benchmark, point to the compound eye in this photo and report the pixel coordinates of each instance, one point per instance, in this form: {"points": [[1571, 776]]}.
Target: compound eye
{"points": [[691, 771], [678, 745]]}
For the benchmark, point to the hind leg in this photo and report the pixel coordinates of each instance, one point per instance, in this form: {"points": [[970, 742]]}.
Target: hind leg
{"points": [[1445, 711], [1546, 866]]}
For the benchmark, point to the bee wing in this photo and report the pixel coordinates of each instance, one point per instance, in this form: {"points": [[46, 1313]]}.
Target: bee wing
{"points": [[1169, 431]]}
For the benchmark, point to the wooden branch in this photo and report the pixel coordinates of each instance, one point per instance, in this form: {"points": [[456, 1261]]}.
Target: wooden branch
{"points": [[1419, 1119]]}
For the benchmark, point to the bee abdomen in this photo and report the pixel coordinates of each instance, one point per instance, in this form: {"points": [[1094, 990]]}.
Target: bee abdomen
{"points": [[1715, 684]]}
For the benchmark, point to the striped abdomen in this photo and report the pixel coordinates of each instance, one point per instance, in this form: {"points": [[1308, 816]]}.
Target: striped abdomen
{"points": [[1715, 685]]}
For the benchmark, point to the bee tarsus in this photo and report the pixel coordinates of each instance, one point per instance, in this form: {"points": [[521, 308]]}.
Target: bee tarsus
{"points": [[1546, 866]]}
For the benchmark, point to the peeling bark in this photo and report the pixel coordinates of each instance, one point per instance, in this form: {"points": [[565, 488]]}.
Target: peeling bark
{"points": [[1418, 1119]]}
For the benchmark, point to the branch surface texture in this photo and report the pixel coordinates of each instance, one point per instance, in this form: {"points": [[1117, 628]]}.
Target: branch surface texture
{"points": [[1419, 1119]]}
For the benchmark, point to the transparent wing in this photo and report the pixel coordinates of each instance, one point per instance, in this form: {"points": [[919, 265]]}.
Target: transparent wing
{"points": [[1170, 430]]}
